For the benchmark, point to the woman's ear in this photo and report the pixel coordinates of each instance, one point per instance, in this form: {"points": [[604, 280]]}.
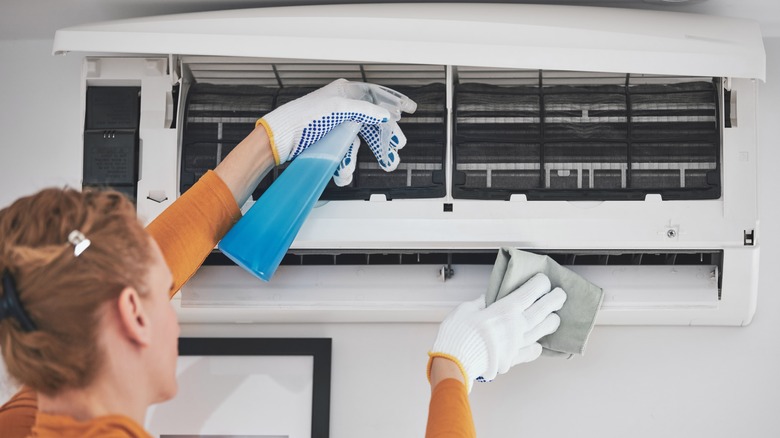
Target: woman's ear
{"points": [[132, 318]]}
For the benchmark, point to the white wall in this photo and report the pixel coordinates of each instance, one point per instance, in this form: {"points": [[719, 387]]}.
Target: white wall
{"points": [[634, 381], [39, 119]]}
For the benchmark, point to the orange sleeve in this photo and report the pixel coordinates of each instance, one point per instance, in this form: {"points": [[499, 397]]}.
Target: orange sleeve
{"points": [[189, 229], [17, 415], [449, 414]]}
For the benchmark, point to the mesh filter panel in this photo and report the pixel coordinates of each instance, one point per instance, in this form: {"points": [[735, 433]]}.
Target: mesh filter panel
{"points": [[586, 141], [218, 117]]}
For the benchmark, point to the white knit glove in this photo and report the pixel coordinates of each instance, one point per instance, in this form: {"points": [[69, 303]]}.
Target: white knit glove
{"points": [[296, 125], [488, 341]]}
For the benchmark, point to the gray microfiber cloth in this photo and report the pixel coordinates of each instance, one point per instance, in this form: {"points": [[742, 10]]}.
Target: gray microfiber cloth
{"points": [[583, 299]]}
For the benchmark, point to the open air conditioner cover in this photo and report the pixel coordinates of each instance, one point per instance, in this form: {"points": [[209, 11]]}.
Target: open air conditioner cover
{"points": [[482, 35]]}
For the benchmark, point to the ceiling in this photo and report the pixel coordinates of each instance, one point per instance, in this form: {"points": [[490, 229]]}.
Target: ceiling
{"points": [[39, 19]]}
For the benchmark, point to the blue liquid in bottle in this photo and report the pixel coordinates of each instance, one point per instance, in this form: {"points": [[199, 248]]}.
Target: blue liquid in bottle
{"points": [[259, 241]]}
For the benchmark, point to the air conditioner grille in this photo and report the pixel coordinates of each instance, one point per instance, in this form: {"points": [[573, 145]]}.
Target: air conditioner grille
{"points": [[545, 134], [591, 140]]}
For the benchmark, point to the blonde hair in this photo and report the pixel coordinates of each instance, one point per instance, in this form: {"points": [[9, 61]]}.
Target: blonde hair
{"points": [[60, 292]]}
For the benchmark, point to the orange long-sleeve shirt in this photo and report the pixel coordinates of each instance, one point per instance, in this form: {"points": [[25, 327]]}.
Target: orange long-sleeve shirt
{"points": [[449, 414], [109, 426], [186, 232], [17, 415]]}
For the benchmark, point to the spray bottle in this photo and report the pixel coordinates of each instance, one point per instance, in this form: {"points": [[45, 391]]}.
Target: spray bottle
{"points": [[259, 241]]}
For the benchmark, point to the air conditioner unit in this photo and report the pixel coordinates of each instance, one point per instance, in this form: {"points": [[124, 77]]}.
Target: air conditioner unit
{"points": [[622, 143]]}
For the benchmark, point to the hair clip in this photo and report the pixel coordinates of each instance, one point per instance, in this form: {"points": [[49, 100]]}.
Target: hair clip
{"points": [[11, 307], [79, 241]]}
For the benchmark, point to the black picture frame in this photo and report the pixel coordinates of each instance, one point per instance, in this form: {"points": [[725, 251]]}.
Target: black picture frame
{"points": [[319, 348]]}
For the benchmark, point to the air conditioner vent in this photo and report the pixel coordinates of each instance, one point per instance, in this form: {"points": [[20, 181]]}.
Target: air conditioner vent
{"points": [[440, 258], [486, 257]]}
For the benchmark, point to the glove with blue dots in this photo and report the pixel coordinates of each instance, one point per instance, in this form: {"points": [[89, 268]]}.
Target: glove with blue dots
{"points": [[297, 125]]}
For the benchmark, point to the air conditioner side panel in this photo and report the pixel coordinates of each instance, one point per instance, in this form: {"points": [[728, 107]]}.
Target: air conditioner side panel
{"points": [[158, 155]]}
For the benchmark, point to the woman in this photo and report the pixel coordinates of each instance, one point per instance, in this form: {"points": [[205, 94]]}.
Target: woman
{"points": [[85, 323]]}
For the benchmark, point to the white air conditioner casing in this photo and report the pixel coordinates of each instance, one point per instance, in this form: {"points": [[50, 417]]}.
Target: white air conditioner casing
{"points": [[413, 44]]}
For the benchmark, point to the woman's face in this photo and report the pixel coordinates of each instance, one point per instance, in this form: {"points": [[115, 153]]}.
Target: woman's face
{"points": [[163, 350]]}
